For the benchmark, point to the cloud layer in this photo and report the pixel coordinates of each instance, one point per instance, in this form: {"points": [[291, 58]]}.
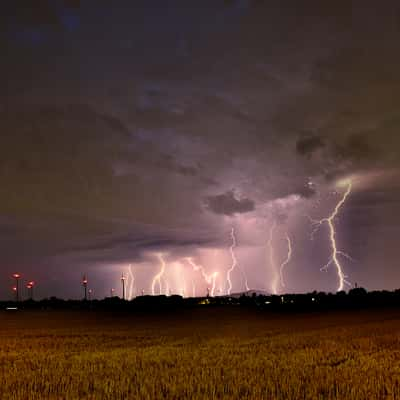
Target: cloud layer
{"points": [[144, 139]]}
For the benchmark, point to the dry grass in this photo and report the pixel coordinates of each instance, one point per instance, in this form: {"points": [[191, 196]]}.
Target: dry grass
{"points": [[201, 354]]}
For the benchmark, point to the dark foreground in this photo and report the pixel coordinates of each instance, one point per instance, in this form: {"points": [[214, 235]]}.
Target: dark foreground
{"points": [[200, 353]]}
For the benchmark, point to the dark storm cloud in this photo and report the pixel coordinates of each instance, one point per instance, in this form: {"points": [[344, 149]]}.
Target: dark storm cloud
{"points": [[132, 246], [228, 204], [169, 163], [306, 191], [50, 139], [48, 129], [308, 145], [76, 113], [337, 156], [357, 148], [28, 13], [178, 100]]}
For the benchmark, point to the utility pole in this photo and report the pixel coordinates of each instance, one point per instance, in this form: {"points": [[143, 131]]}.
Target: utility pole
{"points": [[16, 277], [123, 286], [84, 284], [30, 286]]}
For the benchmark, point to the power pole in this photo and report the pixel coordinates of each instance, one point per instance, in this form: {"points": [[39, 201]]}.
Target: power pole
{"points": [[16, 277], [123, 286], [30, 286], [84, 284]]}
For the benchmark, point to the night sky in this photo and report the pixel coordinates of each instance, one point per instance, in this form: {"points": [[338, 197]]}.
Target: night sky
{"points": [[135, 131]]}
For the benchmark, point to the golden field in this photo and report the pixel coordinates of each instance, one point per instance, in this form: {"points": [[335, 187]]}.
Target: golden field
{"points": [[206, 353]]}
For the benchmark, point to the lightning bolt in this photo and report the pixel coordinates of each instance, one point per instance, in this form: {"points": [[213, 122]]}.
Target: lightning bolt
{"points": [[131, 281], [334, 259], [193, 288], [234, 265], [210, 279], [287, 260], [246, 283], [213, 279], [234, 261], [167, 289], [183, 287], [158, 276], [275, 280]]}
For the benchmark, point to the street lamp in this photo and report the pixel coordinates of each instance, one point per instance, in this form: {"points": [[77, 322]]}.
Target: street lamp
{"points": [[112, 292], [16, 277]]}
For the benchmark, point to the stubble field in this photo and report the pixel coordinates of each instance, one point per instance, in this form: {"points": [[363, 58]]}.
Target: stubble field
{"points": [[206, 353]]}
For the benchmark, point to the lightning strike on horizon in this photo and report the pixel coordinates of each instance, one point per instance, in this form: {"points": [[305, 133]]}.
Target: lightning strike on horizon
{"points": [[234, 261], [131, 281], [287, 260], [193, 288], [183, 287], [332, 237], [275, 280], [210, 279], [214, 277], [246, 283], [234, 265], [158, 276]]}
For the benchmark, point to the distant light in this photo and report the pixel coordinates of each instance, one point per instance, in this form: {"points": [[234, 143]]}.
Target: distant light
{"points": [[11, 308], [16, 276], [267, 302], [14, 288], [313, 299]]}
